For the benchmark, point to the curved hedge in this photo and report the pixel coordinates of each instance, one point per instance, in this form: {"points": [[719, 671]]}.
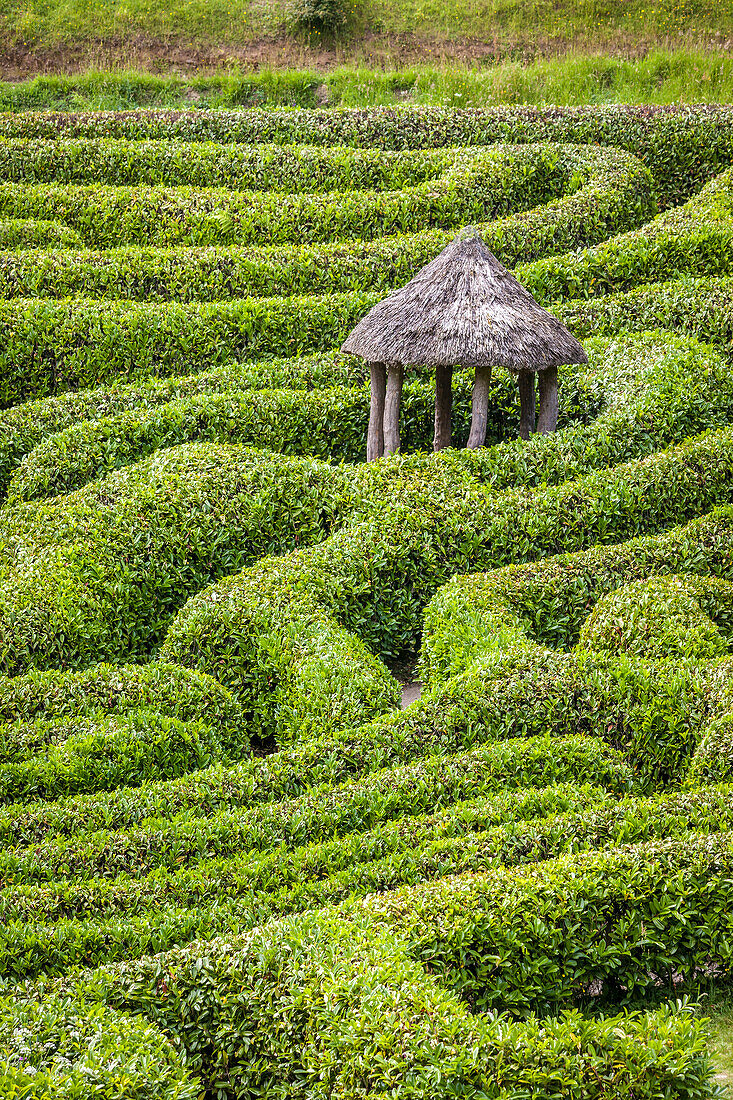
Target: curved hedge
{"points": [[683, 146], [370, 899]]}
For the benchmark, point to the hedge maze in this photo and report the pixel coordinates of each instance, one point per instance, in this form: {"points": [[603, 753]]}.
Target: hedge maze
{"points": [[232, 865]]}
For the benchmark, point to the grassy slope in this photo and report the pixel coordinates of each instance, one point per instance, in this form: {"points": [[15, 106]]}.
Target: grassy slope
{"points": [[662, 77], [63, 34]]}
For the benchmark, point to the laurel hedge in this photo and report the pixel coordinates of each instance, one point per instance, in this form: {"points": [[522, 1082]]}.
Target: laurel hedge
{"points": [[262, 1009], [70, 1050], [607, 191], [328, 424], [683, 146], [50, 926], [278, 882], [234, 166], [478, 185]]}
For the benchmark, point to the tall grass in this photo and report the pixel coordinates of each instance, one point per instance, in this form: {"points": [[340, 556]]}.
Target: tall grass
{"points": [[661, 77]]}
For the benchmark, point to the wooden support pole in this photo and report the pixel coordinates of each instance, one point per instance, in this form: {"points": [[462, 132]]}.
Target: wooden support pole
{"points": [[443, 407], [547, 420], [479, 408], [392, 400], [526, 403], [375, 435]]}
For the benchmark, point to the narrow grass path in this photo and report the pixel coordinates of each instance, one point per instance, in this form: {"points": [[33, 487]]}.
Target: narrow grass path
{"points": [[719, 1007]]}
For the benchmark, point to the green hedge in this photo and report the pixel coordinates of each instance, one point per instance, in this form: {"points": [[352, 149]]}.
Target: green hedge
{"points": [[701, 307], [614, 194], [518, 822], [109, 591], [24, 426], [236, 167], [683, 146], [539, 937], [171, 841], [53, 759], [211, 633], [115, 689], [329, 424], [479, 185], [547, 602], [53, 346], [694, 239], [31, 233], [662, 618], [71, 1050], [641, 636], [49, 927], [332, 1007]]}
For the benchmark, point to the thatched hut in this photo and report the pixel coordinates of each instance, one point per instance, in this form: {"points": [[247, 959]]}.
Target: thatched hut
{"points": [[462, 309]]}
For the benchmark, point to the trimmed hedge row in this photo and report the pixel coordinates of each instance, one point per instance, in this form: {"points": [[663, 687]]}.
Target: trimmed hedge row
{"points": [[329, 424], [53, 759], [24, 426], [683, 146], [172, 841], [75, 1049], [663, 617], [694, 239], [50, 347], [614, 194], [55, 346], [268, 1009], [538, 937], [31, 233], [99, 575], [98, 919], [701, 307], [115, 689], [236, 167], [548, 602], [478, 186], [295, 1036]]}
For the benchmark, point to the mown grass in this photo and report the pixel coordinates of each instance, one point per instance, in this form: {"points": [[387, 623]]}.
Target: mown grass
{"points": [[716, 1002], [661, 77]]}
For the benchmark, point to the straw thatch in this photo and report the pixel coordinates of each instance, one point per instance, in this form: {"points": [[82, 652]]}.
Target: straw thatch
{"points": [[464, 309]]}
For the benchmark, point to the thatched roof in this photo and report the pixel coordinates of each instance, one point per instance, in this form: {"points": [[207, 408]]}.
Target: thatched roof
{"points": [[464, 309]]}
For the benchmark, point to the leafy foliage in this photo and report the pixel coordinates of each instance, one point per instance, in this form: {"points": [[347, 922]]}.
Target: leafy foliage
{"points": [[237, 868]]}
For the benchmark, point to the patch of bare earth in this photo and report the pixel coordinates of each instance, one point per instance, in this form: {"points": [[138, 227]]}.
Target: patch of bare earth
{"points": [[18, 61]]}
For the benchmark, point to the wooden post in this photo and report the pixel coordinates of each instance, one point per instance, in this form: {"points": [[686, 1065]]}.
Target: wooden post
{"points": [[375, 435], [443, 406], [392, 409], [479, 408], [547, 421], [526, 403]]}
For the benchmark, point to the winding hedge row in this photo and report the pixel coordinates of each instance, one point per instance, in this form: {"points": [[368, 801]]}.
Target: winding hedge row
{"points": [[591, 666], [478, 185], [328, 424], [49, 926], [548, 602], [683, 146], [237, 167], [606, 191]]}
